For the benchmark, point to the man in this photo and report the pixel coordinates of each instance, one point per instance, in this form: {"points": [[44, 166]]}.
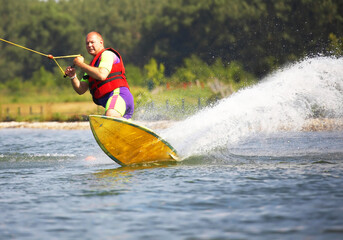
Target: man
{"points": [[104, 77]]}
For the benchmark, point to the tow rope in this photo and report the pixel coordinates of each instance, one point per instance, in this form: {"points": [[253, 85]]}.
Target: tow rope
{"points": [[45, 55]]}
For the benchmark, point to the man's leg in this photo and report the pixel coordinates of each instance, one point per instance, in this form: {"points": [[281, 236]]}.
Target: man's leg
{"points": [[115, 106], [113, 113]]}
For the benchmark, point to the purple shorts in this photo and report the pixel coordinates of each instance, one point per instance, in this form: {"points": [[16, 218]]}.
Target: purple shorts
{"points": [[120, 99]]}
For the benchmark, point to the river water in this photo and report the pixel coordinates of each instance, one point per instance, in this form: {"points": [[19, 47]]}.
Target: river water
{"points": [[241, 178]]}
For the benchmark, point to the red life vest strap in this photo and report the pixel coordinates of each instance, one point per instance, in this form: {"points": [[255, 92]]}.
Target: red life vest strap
{"points": [[115, 79]]}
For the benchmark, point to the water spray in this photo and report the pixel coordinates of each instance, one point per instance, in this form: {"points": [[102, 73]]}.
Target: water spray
{"points": [[286, 100]]}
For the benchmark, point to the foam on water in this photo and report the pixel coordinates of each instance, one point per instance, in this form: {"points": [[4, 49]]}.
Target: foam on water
{"points": [[282, 101]]}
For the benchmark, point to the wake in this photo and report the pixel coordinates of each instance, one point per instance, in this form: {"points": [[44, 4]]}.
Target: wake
{"points": [[282, 101]]}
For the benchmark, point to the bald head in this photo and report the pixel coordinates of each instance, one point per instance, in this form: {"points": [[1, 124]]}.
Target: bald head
{"points": [[94, 43], [95, 34]]}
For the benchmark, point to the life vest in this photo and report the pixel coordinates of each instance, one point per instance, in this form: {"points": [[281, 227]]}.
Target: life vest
{"points": [[116, 78]]}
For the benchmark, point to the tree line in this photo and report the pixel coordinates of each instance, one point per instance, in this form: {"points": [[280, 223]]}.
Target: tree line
{"points": [[235, 41]]}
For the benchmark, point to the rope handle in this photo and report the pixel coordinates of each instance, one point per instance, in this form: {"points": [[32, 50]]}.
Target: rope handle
{"points": [[72, 66]]}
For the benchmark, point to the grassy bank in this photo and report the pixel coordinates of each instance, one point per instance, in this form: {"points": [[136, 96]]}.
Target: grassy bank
{"points": [[65, 105]]}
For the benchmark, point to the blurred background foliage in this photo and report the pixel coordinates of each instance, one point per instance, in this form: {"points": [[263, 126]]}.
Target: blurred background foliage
{"points": [[224, 44]]}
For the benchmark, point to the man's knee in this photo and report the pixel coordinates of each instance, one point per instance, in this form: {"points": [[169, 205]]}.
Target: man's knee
{"points": [[113, 113]]}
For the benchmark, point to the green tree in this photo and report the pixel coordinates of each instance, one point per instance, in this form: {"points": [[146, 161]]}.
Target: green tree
{"points": [[43, 79], [154, 73], [134, 75], [259, 35], [336, 45]]}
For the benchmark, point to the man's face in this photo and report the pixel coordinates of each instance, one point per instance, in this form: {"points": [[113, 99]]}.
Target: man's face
{"points": [[94, 44]]}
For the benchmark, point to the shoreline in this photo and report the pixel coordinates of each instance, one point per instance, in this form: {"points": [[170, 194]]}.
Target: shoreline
{"points": [[75, 125], [311, 125]]}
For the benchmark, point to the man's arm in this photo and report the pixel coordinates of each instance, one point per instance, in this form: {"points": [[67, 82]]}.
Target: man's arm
{"points": [[105, 65], [79, 86], [94, 72]]}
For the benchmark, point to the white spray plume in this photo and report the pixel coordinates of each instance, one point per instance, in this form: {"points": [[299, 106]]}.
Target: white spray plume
{"points": [[283, 100]]}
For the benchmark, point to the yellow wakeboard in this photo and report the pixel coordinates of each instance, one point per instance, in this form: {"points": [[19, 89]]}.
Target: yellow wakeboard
{"points": [[129, 143]]}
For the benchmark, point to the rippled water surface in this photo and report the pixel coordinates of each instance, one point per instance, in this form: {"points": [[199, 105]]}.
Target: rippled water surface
{"points": [[249, 172], [281, 186]]}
